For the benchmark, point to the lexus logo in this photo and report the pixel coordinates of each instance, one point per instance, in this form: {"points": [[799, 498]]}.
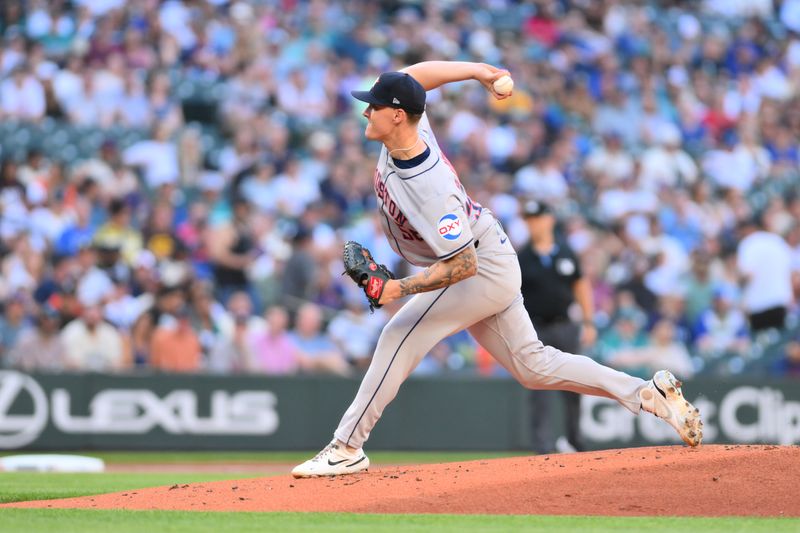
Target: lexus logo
{"points": [[20, 429]]}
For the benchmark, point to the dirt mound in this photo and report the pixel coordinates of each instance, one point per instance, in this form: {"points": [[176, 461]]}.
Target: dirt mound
{"points": [[708, 481]]}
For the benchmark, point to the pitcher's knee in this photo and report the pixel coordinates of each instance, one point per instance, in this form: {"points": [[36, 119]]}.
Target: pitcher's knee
{"points": [[391, 337], [532, 363], [533, 353], [531, 381]]}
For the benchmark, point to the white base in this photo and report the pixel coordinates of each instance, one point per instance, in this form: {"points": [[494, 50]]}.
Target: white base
{"points": [[51, 463]]}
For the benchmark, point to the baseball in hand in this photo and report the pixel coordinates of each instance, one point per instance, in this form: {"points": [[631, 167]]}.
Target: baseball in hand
{"points": [[503, 84]]}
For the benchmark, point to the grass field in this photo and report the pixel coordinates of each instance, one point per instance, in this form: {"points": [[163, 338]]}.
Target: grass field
{"points": [[26, 486], [79, 521], [20, 486]]}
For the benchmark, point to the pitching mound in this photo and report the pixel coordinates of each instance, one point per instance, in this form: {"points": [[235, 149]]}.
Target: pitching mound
{"points": [[709, 481]]}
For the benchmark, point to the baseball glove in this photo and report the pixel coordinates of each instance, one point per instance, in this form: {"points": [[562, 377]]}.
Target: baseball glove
{"points": [[369, 275]]}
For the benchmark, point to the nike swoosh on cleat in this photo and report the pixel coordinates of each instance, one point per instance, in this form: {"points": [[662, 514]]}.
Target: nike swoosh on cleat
{"points": [[334, 463], [354, 464]]}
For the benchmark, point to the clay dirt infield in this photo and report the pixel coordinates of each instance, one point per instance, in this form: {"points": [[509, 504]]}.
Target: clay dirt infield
{"points": [[713, 480]]}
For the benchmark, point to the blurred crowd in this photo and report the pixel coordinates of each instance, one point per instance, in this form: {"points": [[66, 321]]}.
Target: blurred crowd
{"points": [[203, 230]]}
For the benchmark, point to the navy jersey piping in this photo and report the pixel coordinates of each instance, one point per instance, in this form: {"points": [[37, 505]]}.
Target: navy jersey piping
{"points": [[420, 173], [454, 252], [417, 160], [391, 362]]}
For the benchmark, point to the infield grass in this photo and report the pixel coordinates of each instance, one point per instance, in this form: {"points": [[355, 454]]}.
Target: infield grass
{"points": [[26, 486], [80, 521]]}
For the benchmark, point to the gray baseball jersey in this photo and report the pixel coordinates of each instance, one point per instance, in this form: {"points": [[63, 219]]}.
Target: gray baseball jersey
{"points": [[426, 213], [427, 217]]}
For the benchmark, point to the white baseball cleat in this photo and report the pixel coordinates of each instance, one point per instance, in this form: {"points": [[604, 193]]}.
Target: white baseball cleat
{"points": [[333, 460], [662, 396]]}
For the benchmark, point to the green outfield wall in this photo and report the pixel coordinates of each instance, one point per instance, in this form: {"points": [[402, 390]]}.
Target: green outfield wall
{"points": [[201, 412]]}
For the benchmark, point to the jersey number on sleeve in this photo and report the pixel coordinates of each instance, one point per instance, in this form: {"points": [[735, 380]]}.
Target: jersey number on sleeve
{"points": [[410, 234]]}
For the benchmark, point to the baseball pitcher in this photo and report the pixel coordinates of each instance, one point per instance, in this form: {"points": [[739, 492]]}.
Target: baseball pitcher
{"points": [[471, 278]]}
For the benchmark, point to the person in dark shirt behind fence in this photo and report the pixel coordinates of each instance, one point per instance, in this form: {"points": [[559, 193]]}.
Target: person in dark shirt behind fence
{"points": [[551, 282]]}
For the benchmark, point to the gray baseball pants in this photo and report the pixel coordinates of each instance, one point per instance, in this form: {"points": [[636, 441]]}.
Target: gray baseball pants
{"points": [[489, 305]]}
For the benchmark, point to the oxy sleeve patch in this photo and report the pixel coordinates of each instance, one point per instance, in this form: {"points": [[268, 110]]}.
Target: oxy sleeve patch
{"points": [[449, 227]]}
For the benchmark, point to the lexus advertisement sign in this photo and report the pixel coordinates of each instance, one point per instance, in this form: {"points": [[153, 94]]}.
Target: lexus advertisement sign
{"points": [[26, 409]]}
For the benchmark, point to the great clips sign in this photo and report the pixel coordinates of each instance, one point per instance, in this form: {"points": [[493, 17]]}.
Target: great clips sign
{"points": [[744, 413]]}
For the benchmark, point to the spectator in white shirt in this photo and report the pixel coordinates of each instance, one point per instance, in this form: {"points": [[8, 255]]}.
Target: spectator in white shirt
{"points": [[752, 150], [86, 108], [790, 14], [303, 100], [157, 156], [98, 8], [94, 285], [616, 203], [740, 9], [771, 82], [610, 160], [542, 179], [247, 93], [12, 54], [106, 168], [652, 121], [240, 154], [742, 99], [110, 81], [667, 164], [22, 96], [723, 327], [92, 344], [617, 111], [764, 261], [51, 217], [68, 82], [259, 188], [733, 168], [500, 140], [41, 65], [36, 169], [462, 125], [672, 261], [295, 189], [356, 332]]}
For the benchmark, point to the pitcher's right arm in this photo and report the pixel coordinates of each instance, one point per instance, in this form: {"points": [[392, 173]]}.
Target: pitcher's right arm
{"points": [[433, 74]]}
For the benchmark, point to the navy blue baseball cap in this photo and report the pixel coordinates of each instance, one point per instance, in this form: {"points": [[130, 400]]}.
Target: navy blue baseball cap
{"points": [[533, 208], [395, 89]]}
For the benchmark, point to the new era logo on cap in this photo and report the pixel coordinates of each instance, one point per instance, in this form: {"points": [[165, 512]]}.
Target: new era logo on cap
{"points": [[395, 89], [532, 208]]}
